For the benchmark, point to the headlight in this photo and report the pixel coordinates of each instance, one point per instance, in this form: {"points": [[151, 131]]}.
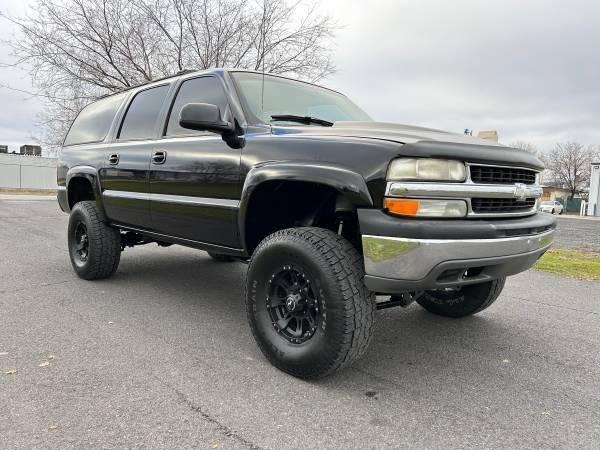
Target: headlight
{"points": [[417, 207], [426, 169]]}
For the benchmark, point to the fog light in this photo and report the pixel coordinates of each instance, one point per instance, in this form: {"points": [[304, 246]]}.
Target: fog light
{"points": [[426, 207]]}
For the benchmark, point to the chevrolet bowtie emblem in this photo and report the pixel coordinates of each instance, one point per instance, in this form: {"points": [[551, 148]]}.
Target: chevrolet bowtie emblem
{"points": [[519, 193]]}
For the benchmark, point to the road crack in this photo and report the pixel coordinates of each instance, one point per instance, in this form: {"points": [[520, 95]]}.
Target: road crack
{"points": [[221, 427]]}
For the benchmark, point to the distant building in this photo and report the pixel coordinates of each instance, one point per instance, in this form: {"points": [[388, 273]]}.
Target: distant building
{"points": [[32, 150], [491, 135], [3, 148], [554, 193]]}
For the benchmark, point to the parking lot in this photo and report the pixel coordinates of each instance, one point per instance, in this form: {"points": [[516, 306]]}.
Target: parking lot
{"points": [[161, 356], [576, 233]]}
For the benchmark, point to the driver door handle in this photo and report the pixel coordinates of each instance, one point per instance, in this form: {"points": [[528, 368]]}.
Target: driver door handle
{"points": [[159, 157], [113, 159]]}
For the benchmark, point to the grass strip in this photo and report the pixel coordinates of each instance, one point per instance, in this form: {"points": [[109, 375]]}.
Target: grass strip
{"points": [[573, 263]]}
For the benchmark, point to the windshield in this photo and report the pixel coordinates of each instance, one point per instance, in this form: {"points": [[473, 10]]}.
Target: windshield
{"points": [[288, 97], [547, 203]]}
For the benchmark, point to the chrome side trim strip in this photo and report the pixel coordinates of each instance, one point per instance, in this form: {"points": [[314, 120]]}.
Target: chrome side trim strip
{"points": [[202, 201], [169, 198], [126, 194]]}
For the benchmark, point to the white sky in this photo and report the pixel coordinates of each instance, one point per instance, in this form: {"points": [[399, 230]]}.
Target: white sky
{"points": [[528, 68]]}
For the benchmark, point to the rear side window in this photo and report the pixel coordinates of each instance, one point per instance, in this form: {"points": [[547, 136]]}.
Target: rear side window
{"points": [[93, 122], [196, 90], [142, 113]]}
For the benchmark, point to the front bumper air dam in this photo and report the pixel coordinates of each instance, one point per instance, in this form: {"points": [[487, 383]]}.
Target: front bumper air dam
{"points": [[399, 264]]}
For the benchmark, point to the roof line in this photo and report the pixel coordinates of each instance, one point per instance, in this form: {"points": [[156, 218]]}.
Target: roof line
{"points": [[168, 77]]}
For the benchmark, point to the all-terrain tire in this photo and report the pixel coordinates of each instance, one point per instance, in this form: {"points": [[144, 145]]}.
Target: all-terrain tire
{"points": [[94, 247], [334, 270], [464, 301], [220, 258]]}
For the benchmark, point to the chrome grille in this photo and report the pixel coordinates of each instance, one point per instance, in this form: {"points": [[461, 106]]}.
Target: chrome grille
{"points": [[501, 175], [501, 205]]}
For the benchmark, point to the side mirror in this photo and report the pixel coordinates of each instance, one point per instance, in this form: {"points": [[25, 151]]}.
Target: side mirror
{"points": [[204, 117]]}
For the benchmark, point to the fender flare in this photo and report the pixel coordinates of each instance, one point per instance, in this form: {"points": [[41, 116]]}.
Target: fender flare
{"points": [[89, 173], [347, 182]]}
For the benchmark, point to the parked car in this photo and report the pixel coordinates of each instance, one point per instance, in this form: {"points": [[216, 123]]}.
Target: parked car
{"points": [[552, 207], [328, 207]]}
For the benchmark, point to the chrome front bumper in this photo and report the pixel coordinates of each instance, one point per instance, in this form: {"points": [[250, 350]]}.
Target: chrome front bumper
{"points": [[395, 264]]}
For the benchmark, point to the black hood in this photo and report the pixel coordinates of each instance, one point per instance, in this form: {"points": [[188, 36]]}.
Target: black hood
{"points": [[423, 142]]}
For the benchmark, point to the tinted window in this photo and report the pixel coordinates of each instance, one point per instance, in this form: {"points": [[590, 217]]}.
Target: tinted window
{"points": [[196, 90], [141, 115], [93, 122]]}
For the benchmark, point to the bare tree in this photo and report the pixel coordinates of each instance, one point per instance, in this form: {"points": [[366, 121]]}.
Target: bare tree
{"points": [[78, 50], [525, 146], [569, 165]]}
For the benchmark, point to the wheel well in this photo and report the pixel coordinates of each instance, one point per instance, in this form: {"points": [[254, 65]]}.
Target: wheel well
{"points": [[80, 189], [276, 205]]}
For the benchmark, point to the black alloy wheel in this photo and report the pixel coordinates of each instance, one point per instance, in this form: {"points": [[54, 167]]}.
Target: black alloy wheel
{"points": [[82, 243], [293, 304]]}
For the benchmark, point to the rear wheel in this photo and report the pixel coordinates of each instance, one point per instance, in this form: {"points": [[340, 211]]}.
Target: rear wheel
{"points": [[307, 305], [94, 247], [220, 258], [462, 301]]}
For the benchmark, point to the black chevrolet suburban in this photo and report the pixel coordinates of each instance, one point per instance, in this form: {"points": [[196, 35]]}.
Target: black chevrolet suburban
{"points": [[337, 215]]}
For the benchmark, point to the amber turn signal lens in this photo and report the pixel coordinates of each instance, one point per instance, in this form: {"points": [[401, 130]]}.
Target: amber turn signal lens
{"points": [[426, 207], [402, 206]]}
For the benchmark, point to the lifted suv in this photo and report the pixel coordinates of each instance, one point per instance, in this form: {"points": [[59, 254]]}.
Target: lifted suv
{"points": [[329, 207]]}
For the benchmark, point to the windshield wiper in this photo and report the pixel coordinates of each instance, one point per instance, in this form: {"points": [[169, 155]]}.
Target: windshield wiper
{"points": [[307, 120]]}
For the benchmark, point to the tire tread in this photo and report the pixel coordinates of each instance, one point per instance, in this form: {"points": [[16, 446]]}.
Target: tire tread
{"points": [[104, 241], [476, 299], [346, 265]]}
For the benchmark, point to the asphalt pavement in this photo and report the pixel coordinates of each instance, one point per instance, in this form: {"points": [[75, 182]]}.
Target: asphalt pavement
{"points": [[578, 233], [161, 356]]}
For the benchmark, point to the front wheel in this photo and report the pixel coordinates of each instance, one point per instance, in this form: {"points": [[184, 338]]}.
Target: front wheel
{"points": [[94, 247], [307, 305], [462, 301]]}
